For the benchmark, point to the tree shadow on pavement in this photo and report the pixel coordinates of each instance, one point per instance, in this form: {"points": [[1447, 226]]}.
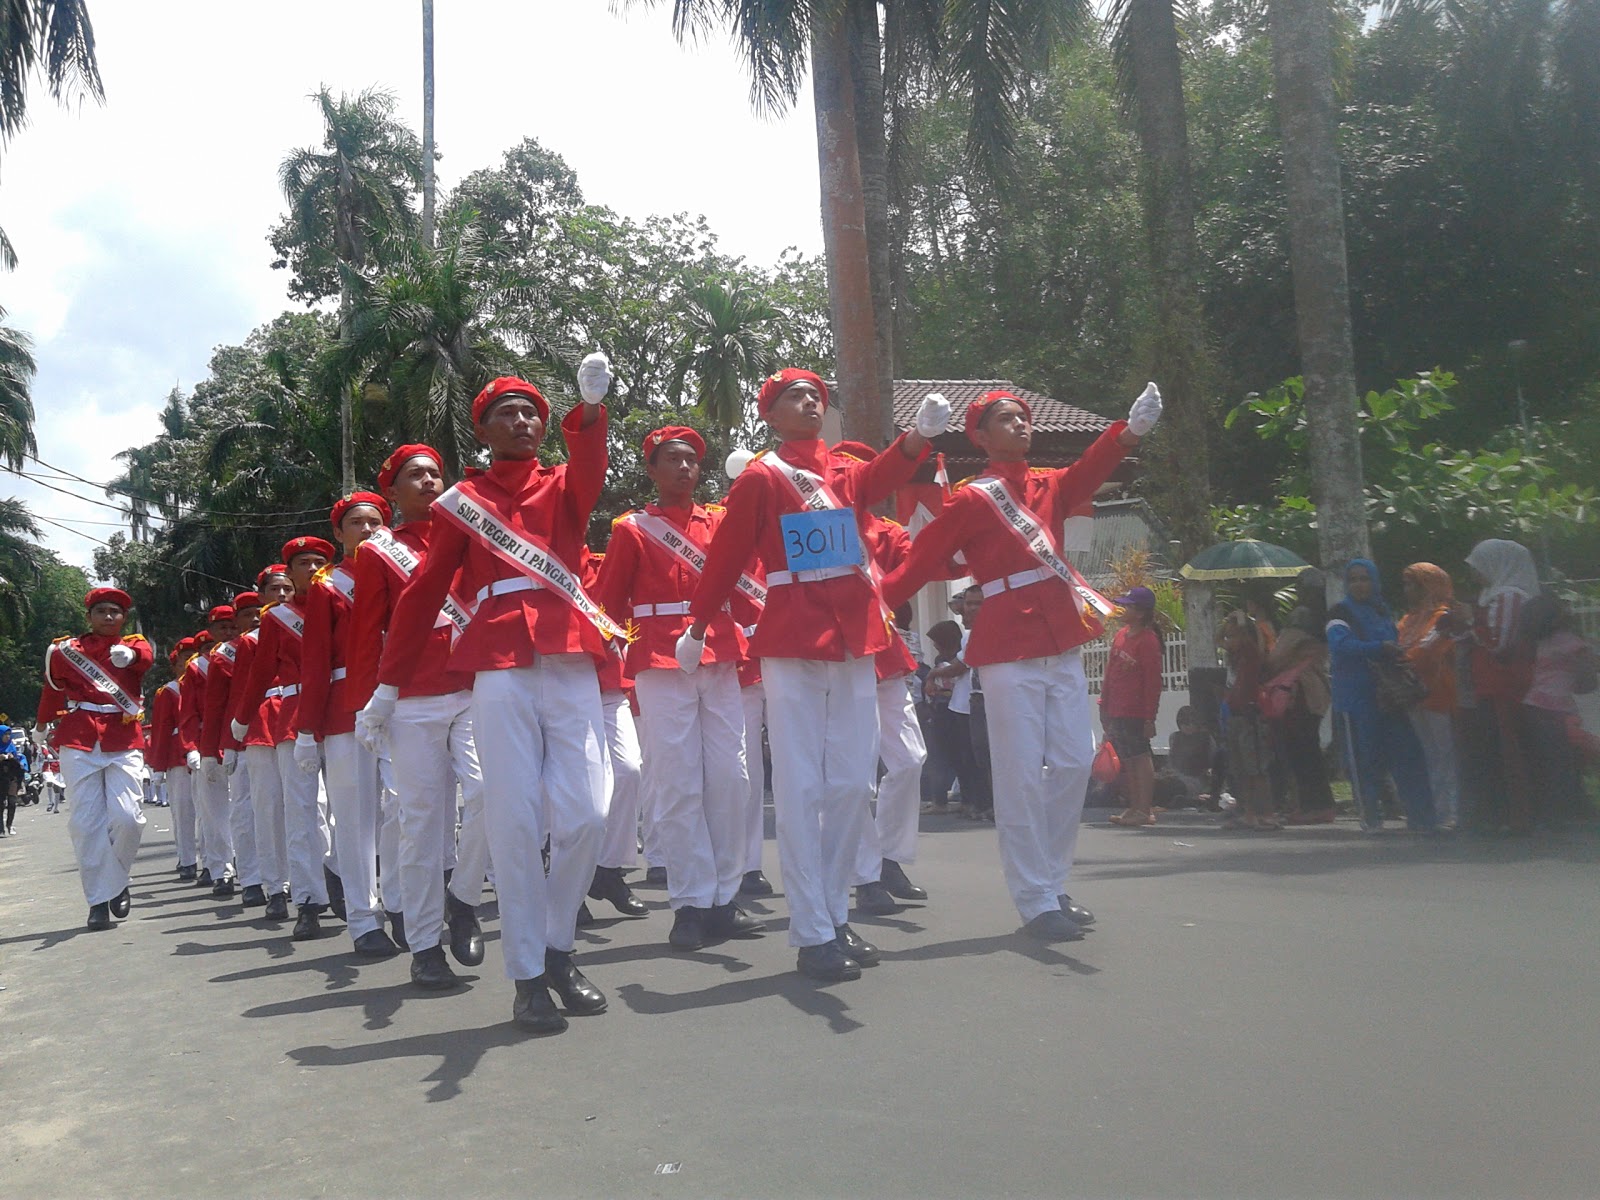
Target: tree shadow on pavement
{"points": [[459, 1052], [807, 995]]}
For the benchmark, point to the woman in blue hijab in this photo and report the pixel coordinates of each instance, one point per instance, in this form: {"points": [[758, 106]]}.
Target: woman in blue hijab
{"points": [[1374, 742]]}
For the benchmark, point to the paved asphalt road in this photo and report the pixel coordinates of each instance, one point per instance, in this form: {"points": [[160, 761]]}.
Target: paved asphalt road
{"points": [[1311, 1014]]}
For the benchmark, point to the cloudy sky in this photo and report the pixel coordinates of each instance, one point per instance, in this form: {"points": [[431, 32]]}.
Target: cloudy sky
{"points": [[142, 225]]}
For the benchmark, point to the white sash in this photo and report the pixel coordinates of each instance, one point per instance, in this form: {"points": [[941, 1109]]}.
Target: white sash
{"points": [[292, 621], [404, 561], [170, 687], [528, 554], [202, 664], [1027, 527], [228, 651], [91, 672], [688, 551], [341, 581]]}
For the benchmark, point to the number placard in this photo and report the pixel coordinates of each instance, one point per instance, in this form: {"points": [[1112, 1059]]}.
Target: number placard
{"points": [[826, 538]]}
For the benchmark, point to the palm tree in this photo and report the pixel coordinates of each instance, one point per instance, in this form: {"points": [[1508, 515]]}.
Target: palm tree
{"points": [[357, 187], [427, 122], [729, 332], [17, 369], [21, 560]]}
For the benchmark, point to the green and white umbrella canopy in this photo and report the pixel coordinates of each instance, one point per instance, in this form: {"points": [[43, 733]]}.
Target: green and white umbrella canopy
{"points": [[1244, 560]]}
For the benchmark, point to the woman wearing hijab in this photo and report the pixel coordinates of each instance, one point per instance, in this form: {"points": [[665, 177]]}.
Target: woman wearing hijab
{"points": [[1302, 647], [1501, 664], [1427, 640], [1361, 631]]}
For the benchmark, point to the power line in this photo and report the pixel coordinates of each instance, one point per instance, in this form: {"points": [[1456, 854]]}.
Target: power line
{"points": [[234, 584], [255, 522], [108, 488]]}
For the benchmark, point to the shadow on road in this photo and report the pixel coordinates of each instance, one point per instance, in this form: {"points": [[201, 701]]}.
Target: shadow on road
{"points": [[459, 1052], [378, 1005], [804, 994]]}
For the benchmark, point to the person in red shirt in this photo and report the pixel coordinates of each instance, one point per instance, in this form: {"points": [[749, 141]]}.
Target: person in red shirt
{"points": [[796, 510], [170, 755], [511, 539], [273, 678], [210, 794], [214, 734], [693, 720], [1130, 694], [1249, 747], [428, 750], [1036, 615], [91, 693]]}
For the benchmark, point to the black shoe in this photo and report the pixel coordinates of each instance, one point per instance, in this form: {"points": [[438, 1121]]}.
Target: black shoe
{"points": [[120, 903], [896, 884], [856, 946], [466, 935], [827, 962], [253, 896], [375, 943], [585, 917], [533, 1009], [874, 899], [655, 877], [610, 885], [307, 925], [1077, 912], [431, 970], [1053, 926], [755, 884], [188, 873], [577, 995], [730, 921], [397, 928], [335, 892], [688, 929], [223, 888], [204, 878], [277, 907], [99, 916]]}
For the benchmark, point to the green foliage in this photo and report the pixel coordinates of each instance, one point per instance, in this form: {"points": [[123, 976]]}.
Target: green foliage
{"points": [[55, 607]]}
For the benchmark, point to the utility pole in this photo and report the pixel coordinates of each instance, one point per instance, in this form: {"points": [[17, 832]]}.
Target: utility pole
{"points": [[427, 123]]}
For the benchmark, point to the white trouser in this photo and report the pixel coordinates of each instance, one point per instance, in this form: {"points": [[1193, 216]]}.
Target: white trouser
{"points": [[352, 776], [180, 800], [307, 837], [755, 716], [106, 823], [694, 742], [216, 827], [540, 736], [242, 818], [1437, 734], [431, 752], [266, 798], [621, 846], [1039, 717], [654, 854], [893, 832], [822, 726]]}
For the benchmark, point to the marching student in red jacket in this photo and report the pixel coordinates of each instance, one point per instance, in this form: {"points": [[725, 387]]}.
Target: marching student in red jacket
{"points": [[1037, 613], [428, 748], [217, 743], [91, 693], [210, 793], [512, 538], [169, 755], [795, 510], [273, 678], [693, 720]]}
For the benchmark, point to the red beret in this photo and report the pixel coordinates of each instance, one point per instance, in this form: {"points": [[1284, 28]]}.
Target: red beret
{"points": [[306, 545], [203, 638], [355, 500], [222, 612], [509, 385], [391, 465], [673, 433], [266, 572], [246, 600], [981, 406], [101, 595], [859, 450], [775, 385]]}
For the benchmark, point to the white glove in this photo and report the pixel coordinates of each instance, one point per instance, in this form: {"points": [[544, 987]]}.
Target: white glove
{"points": [[689, 651], [213, 771], [121, 655], [230, 761], [594, 378], [192, 761], [738, 460], [1146, 411], [934, 415], [238, 730], [372, 720], [306, 755]]}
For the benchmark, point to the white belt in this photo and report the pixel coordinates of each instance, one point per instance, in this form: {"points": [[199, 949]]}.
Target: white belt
{"points": [[504, 587], [678, 608], [80, 706], [1020, 580], [815, 575], [337, 674], [284, 692]]}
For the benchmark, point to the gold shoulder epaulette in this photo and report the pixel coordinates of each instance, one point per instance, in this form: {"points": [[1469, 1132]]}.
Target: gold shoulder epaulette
{"points": [[133, 637], [963, 483], [322, 574], [620, 517], [715, 507], [65, 637]]}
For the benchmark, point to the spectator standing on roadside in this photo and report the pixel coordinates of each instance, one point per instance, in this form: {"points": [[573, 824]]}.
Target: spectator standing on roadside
{"points": [[1564, 666], [1302, 649], [1501, 667], [1130, 695], [1427, 641]]}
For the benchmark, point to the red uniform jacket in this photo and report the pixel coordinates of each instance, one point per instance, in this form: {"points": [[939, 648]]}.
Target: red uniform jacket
{"points": [[609, 670], [191, 697], [246, 647], [274, 664], [378, 588], [826, 619], [888, 545], [324, 702], [1032, 621], [552, 503], [166, 750], [64, 689], [638, 573], [215, 736]]}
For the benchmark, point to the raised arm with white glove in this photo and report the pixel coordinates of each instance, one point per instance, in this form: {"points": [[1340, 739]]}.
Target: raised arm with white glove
{"points": [[306, 755], [121, 655], [372, 720], [933, 417], [1146, 411], [594, 378], [689, 650]]}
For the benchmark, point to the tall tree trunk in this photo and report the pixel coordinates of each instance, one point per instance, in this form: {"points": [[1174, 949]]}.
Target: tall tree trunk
{"points": [[866, 76], [1302, 67], [844, 231], [427, 123]]}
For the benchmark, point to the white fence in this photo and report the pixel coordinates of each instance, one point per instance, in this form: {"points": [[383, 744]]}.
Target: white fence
{"points": [[1174, 664]]}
